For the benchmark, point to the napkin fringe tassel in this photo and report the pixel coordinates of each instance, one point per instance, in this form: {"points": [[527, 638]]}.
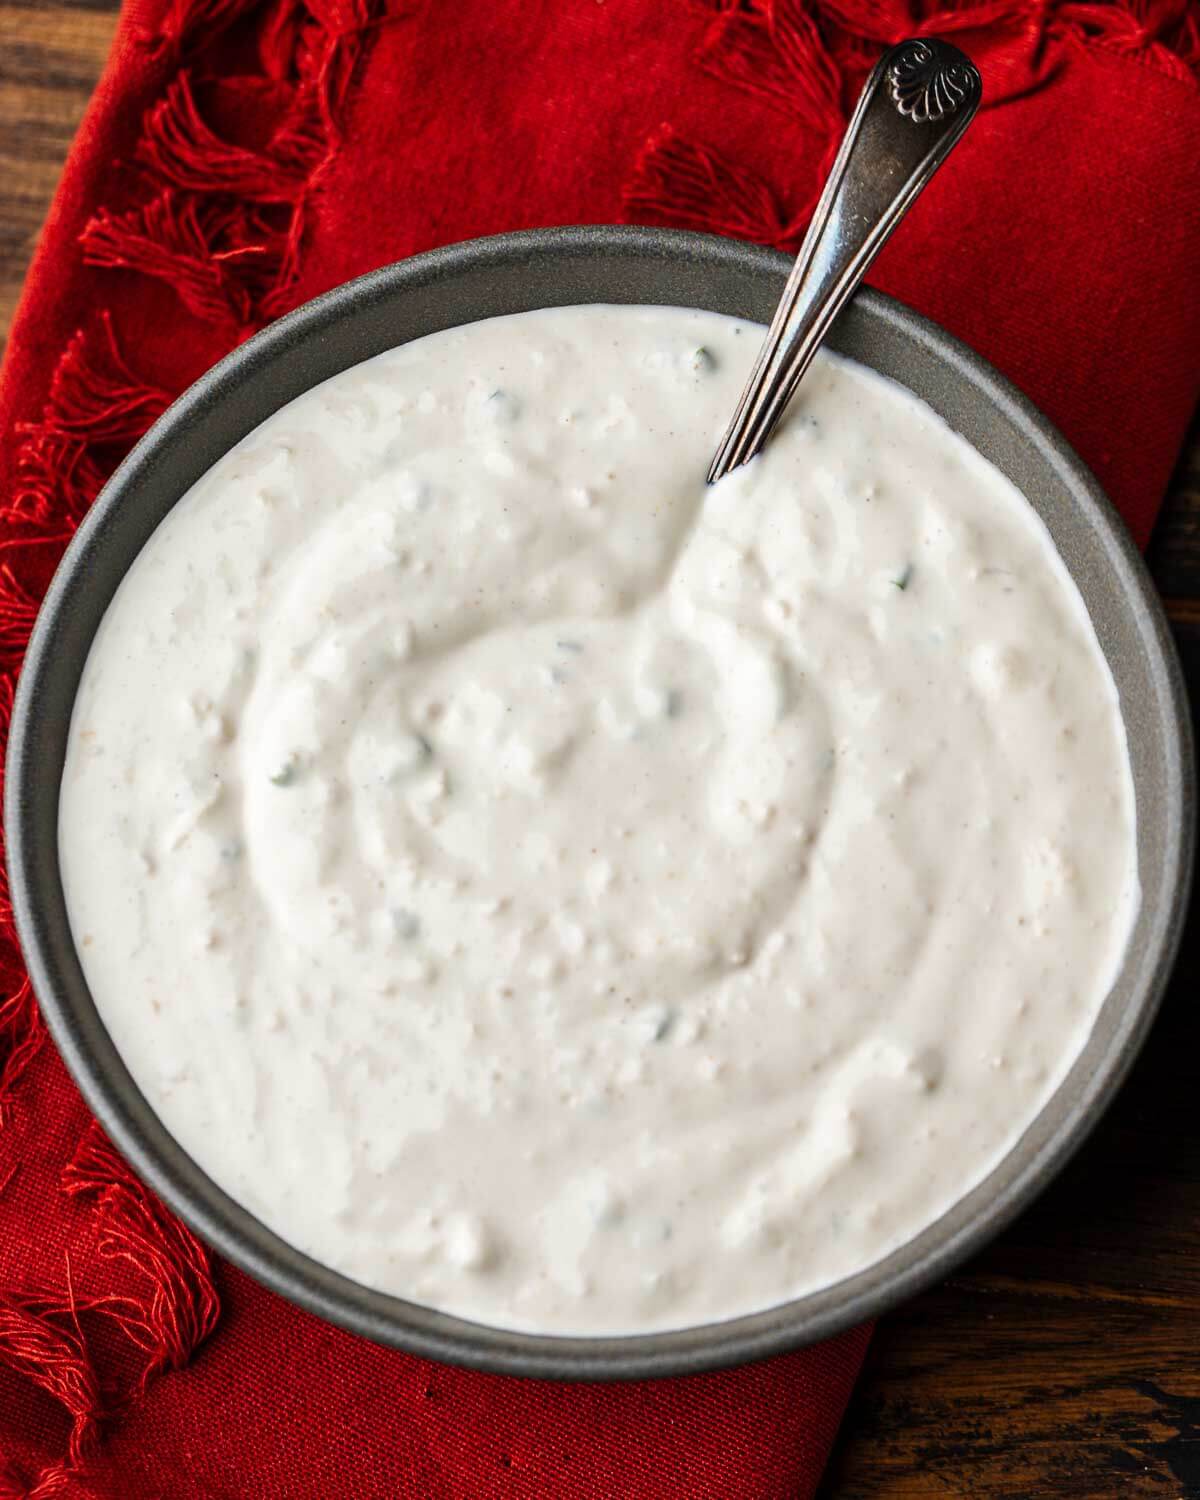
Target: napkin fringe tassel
{"points": [[41, 1339], [22, 1030], [42, 1335], [181, 1306], [181, 148], [219, 258], [97, 407], [699, 188]]}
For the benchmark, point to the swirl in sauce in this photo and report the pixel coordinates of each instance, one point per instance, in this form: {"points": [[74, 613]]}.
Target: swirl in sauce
{"points": [[549, 889]]}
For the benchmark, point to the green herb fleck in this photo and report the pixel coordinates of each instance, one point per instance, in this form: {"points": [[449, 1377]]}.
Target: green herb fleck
{"points": [[702, 360], [904, 578], [504, 405], [663, 1023], [286, 774], [414, 756], [406, 923]]}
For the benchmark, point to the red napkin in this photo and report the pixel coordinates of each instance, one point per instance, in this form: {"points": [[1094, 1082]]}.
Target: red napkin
{"points": [[240, 157]]}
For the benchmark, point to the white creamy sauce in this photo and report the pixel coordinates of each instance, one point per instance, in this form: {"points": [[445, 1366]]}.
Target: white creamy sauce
{"points": [[563, 894]]}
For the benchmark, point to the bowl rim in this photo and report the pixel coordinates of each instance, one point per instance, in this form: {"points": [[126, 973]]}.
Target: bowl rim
{"points": [[231, 1230]]}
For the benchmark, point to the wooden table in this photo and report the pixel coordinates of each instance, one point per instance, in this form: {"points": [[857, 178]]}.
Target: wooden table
{"points": [[1065, 1360]]}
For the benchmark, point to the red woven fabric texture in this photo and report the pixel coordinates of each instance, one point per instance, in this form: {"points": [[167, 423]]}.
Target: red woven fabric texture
{"points": [[240, 157]]}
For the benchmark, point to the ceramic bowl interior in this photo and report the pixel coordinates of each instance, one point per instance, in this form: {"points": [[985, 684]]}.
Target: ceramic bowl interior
{"points": [[513, 273]]}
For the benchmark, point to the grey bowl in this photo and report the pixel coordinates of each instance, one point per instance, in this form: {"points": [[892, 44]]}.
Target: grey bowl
{"points": [[512, 273]]}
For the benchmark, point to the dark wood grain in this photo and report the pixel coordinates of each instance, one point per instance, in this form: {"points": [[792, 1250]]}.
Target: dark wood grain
{"points": [[50, 58], [1065, 1360]]}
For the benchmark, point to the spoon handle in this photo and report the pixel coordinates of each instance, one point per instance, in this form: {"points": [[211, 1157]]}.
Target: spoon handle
{"points": [[917, 102]]}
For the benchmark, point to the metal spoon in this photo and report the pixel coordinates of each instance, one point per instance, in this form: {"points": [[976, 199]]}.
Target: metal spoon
{"points": [[919, 99]]}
